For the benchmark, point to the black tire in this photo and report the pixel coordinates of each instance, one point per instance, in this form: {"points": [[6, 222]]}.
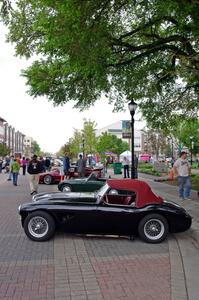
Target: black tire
{"points": [[153, 228], [39, 226], [66, 188], [48, 179]]}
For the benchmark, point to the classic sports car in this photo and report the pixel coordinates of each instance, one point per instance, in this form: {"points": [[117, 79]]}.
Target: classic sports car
{"points": [[90, 184], [122, 207], [50, 177], [55, 177]]}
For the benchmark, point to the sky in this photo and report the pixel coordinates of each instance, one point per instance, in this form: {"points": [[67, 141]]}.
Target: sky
{"points": [[50, 126]]}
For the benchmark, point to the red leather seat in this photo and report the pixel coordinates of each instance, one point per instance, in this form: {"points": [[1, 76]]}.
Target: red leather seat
{"points": [[127, 200]]}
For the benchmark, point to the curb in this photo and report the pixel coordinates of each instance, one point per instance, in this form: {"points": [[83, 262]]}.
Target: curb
{"points": [[194, 233]]}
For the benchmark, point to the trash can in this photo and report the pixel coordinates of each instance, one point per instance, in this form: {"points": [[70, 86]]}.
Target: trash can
{"points": [[117, 167]]}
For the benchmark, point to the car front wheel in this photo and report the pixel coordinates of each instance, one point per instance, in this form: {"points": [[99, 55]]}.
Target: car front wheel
{"points": [[66, 188], [47, 179], [153, 228], [39, 226]]}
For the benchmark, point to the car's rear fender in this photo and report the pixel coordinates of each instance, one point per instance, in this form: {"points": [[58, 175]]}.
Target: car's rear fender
{"points": [[177, 218], [160, 210]]}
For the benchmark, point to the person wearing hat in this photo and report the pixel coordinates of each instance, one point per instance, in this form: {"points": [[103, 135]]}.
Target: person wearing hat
{"points": [[34, 168], [182, 169]]}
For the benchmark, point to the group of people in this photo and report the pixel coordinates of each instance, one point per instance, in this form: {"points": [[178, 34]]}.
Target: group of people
{"points": [[32, 166], [80, 164], [36, 165], [181, 168]]}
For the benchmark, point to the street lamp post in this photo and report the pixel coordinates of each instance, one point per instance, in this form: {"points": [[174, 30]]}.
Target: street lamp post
{"points": [[132, 108]]}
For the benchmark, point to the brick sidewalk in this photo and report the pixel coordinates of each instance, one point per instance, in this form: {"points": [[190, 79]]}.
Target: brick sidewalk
{"points": [[110, 268]]}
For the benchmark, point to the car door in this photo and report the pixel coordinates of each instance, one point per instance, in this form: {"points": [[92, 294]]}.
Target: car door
{"points": [[79, 217], [117, 218], [91, 186]]}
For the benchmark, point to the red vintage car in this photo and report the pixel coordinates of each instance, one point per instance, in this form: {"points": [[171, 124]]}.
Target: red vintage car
{"points": [[54, 176]]}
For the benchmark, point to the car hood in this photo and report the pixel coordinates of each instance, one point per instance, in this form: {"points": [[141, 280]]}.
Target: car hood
{"points": [[73, 181], [61, 196]]}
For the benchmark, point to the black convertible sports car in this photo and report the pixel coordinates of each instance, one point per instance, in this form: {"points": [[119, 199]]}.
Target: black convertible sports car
{"points": [[121, 207]]}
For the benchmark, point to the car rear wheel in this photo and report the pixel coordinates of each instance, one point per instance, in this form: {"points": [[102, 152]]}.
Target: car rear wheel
{"points": [[47, 179], [39, 226], [153, 228], [66, 188]]}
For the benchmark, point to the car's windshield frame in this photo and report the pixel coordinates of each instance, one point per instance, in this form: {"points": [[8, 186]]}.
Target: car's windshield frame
{"points": [[101, 192]]}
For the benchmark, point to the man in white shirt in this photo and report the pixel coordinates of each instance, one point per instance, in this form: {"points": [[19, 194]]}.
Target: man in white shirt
{"points": [[126, 167], [182, 169]]}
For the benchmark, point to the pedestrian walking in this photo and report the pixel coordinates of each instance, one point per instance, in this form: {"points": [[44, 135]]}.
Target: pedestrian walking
{"points": [[1, 165], [106, 163], [15, 167], [34, 168], [47, 164], [9, 168], [81, 165], [61, 172], [66, 165], [182, 169], [42, 164], [125, 164], [24, 165]]}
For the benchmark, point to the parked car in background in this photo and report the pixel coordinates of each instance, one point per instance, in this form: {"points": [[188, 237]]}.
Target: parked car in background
{"points": [[121, 207], [90, 184], [54, 176], [145, 157], [88, 170], [50, 177]]}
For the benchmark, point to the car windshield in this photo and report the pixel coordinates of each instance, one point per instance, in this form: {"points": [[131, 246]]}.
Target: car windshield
{"points": [[92, 176], [100, 193]]}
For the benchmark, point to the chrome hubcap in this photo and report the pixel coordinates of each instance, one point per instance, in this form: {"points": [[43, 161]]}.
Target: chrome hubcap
{"points": [[38, 227], [66, 189], [154, 229]]}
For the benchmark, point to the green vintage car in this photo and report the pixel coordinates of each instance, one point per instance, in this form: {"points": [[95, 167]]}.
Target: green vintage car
{"points": [[89, 184]]}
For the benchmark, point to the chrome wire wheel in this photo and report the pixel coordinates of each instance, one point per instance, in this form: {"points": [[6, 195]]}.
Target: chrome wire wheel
{"points": [[38, 227], [154, 229]]}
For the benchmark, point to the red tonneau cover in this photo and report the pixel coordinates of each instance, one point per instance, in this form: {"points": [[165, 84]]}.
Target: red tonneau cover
{"points": [[144, 194]]}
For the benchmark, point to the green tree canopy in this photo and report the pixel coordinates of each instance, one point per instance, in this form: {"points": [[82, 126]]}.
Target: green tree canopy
{"points": [[187, 134], [89, 136], [145, 49], [76, 143], [108, 142], [4, 150], [5, 7], [65, 150], [36, 148], [82, 141]]}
